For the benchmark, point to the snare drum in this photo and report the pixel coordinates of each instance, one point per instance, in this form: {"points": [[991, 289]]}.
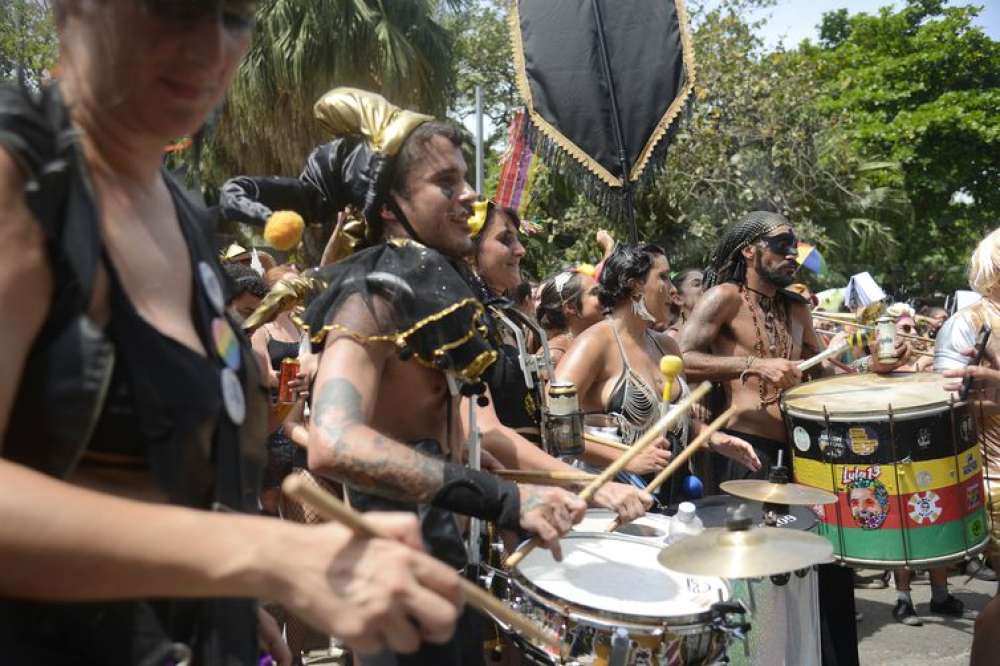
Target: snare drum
{"points": [[784, 609], [651, 526], [611, 581], [901, 456]]}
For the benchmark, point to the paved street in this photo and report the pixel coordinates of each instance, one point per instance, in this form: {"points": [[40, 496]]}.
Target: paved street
{"points": [[941, 641]]}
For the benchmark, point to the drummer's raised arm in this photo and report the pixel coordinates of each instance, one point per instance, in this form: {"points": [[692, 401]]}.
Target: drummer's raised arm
{"points": [[716, 309]]}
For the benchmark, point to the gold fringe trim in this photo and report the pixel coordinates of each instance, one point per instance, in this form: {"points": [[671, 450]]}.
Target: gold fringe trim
{"points": [[469, 373], [541, 123], [554, 135], [687, 48]]}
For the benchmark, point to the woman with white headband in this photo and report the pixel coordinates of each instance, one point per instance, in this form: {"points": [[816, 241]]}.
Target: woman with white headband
{"points": [[568, 306]]}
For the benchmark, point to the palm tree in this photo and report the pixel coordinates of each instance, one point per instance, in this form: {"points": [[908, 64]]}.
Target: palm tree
{"points": [[301, 49]]}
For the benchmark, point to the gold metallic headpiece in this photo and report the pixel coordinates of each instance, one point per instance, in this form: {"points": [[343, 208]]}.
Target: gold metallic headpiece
{"points": [[352, 111], [285, 294]]}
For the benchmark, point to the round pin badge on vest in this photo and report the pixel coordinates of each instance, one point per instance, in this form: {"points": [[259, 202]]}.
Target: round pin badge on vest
{"points": [[213, 289], [232, 396], [226, 344]]}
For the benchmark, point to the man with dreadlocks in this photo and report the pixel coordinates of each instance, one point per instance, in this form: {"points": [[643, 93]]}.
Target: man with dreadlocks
{"points": [[748, 332]]}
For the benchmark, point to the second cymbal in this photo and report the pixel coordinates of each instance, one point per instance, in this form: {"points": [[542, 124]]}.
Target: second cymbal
{"points": [[746, 553], [778, 493]]}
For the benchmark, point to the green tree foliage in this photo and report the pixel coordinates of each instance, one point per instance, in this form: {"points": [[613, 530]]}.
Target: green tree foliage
{"points": [[880, 144], [27, 40], [482, 56], [920, 87], [302, 49]]}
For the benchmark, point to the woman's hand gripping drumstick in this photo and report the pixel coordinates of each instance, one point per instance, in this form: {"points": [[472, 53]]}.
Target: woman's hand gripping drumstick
{"points": [[701, 440], [666, 421], [332, 508]]}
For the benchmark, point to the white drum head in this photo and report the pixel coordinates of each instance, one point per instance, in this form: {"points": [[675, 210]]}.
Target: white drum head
{"points": [[868, 394], [650, 526], [619, 575]]}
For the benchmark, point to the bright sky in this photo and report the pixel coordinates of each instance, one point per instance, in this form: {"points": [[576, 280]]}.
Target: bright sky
{"points": [[795, 20]]}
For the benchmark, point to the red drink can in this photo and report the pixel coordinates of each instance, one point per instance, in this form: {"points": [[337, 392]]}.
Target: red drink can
{"points": [[289, 371]]}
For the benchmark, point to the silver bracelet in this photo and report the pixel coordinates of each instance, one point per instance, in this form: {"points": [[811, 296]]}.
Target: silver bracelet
{"points": [[863, 364]]}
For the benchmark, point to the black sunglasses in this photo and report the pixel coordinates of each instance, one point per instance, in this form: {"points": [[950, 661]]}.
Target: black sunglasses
{"points": [[235, 15], [783, 244]]}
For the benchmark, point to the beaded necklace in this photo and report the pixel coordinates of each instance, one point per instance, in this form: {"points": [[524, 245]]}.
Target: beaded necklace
{"points": [[775, 331]]}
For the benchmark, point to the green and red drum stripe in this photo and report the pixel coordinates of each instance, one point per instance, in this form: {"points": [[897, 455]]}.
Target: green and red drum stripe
{"points": [[943, 541], [922, 509]]}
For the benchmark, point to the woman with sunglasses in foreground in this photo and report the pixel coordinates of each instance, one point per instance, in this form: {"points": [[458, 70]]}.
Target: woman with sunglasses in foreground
{"points": [[136, 404]]}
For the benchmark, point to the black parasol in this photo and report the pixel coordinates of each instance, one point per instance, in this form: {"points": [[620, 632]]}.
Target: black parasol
{"points": [[604, 82]]}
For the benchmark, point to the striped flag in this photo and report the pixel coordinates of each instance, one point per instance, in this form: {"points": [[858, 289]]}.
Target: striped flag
{"points": [[518, 170]]}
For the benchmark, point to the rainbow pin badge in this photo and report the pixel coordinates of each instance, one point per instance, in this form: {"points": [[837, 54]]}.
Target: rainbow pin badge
{"points": [[227, 346]]}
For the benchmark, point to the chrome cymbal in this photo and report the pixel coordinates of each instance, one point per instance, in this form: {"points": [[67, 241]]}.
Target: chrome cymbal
{"points": [[778, 493], [745, 553]]}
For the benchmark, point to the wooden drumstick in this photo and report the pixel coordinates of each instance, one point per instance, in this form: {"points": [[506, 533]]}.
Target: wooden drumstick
{"points": [[650, 436], [721, 422], [332, 508], [855, 340], [543, 476], [604, 441]]}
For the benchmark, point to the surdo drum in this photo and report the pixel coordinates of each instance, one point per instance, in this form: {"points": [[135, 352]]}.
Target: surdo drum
{"points": [[900, 454]]}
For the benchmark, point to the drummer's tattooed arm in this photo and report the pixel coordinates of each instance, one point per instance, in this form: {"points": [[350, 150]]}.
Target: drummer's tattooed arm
{"points": [[359, 455], [716, 309]]}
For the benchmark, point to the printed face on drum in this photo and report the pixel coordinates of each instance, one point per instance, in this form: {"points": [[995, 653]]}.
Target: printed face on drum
{"points": [[869, 504], [772, 256]]}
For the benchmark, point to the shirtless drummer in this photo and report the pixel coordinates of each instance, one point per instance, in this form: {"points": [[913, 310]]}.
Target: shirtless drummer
{"points": [[749, 333]]}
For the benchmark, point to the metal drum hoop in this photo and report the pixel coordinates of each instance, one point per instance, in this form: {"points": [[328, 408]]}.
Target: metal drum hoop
{"points": [[652, 625]]}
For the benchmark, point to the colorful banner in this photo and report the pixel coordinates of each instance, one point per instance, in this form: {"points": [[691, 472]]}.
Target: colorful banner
{"points": [[518, 169]]}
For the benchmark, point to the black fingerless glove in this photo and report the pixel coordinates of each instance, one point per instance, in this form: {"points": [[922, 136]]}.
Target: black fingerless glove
{"points": [[479, 494]]}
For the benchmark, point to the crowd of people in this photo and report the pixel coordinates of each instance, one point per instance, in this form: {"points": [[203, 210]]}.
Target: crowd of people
{"points": [[146, 436]]}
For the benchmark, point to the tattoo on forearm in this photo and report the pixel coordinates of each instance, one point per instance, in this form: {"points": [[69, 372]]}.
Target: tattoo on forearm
{"points": [[365, 459], [532, 500]]}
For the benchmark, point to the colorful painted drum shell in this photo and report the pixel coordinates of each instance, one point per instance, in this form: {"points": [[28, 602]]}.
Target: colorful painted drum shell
{"points": [[864, 442], [909, 488]]}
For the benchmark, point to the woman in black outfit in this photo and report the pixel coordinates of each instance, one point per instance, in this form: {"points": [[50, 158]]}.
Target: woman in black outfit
{"points": [[135, 404]]}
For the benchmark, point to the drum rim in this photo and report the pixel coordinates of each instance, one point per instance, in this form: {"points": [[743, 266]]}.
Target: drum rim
{"points": [[964, 554], [844, 416], [649, 625]]}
